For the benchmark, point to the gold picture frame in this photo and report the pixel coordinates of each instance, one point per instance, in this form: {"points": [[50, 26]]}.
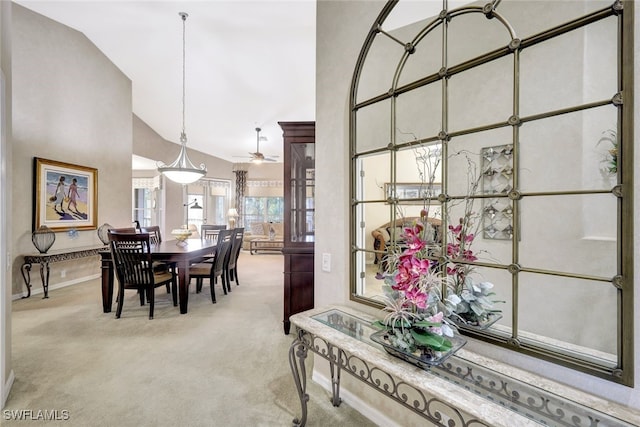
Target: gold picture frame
{"points": [[65, 196], [413, 193]]}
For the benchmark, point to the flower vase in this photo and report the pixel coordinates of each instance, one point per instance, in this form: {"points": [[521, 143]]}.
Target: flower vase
{"points": [[422, 357], [467, 322], [103, 233], [43, 238]]}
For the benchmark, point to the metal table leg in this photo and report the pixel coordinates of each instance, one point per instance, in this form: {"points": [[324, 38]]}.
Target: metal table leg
{"points": [[44, 265], [299, 349], [26, 275], [335, 382]]}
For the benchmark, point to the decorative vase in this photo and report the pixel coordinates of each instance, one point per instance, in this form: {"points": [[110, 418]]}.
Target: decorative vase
{"points": [[43, 238], [423, 357], [103, 233]]}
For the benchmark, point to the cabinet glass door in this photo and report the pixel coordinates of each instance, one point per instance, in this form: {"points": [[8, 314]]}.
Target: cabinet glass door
{"points": [[302, 192]]}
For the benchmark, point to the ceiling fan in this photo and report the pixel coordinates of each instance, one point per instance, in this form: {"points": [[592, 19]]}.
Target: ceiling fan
{"points": [[258, 157]]}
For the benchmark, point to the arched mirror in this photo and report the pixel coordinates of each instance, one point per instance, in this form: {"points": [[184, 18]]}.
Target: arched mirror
{"points": [[508, 123]]}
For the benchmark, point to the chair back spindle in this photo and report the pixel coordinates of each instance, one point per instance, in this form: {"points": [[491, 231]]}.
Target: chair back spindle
{"points": [[211, 231], [155, 237]]}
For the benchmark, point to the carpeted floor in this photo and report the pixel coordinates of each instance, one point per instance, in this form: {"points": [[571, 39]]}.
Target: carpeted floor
{"points": [[218, 365]]}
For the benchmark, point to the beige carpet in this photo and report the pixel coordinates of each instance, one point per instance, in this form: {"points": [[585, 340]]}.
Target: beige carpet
{"points": [[218, 365]]}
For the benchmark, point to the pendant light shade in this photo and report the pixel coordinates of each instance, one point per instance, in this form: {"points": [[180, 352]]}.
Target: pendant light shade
{"points": [[182, 170]]}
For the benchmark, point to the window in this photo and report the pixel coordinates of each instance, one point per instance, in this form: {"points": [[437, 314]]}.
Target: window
{"points": [[263, 209], [213, 196], [195, 215], [145, 192], [142, 207]]}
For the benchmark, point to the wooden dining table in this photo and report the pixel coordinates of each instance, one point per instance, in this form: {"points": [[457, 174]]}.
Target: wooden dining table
{"points": [[167, 251]]}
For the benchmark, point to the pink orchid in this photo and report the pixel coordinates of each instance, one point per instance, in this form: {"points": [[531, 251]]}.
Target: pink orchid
{"points": [[457, 229], [403, 279], [414, 265], [436, 318], [468, 255], [452, 250], [417, 297]]}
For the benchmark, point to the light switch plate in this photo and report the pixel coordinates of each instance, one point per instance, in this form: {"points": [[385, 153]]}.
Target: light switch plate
{"points": [[326, 262]]}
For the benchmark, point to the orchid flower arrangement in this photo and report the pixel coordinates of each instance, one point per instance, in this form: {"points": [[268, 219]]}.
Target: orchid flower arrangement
{"points": [[469, 301], [472, 303], [425, 298], [415, 321]]}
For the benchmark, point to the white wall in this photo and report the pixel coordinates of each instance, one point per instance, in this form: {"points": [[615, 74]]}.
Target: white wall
{"points": [[341, 30], [6, 373], [70, 104]]}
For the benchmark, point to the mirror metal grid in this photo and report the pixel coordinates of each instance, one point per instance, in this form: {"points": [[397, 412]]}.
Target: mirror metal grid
{"points": [[580, 180]]}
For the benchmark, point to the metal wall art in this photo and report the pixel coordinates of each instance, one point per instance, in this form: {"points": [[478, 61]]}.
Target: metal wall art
{"points": [[497, 178]]}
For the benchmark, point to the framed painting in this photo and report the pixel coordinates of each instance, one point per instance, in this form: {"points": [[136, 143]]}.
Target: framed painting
{"points": [[414, 192], [65, 196]]}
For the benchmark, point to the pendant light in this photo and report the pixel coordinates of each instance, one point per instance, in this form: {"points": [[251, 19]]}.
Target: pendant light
{"points": [[182, 170]]}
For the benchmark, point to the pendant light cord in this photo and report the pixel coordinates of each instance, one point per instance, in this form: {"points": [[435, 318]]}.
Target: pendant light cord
{"points": [[184, 19]]}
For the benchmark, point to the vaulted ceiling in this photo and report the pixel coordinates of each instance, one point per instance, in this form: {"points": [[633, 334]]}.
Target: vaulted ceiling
{"points": [[248, 64]]}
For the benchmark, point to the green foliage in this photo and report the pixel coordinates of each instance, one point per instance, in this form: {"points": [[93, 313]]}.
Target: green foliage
{"points": [[427, 339]]}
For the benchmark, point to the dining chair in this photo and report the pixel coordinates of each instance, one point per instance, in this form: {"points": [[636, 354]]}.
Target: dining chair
{"points": [[210, 231], [215, 269], [155, 238], [231, 264], [131, 255]]}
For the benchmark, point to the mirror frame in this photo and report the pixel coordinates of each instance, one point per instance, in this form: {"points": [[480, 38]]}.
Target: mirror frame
{"points": [[623, 281]]}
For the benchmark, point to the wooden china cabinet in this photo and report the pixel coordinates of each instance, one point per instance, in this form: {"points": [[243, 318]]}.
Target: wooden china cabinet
{"points": [[299, 217]]}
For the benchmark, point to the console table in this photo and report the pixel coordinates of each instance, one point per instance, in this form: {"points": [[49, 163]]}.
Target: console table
{"points": [[466, 390], [54, 256]]}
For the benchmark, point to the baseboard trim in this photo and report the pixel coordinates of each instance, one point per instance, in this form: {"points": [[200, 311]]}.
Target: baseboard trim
{"points": [[355, 402], [39, 291]]}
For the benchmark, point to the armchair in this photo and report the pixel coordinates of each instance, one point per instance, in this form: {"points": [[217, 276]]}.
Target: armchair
{"points": [[392, 230]]}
